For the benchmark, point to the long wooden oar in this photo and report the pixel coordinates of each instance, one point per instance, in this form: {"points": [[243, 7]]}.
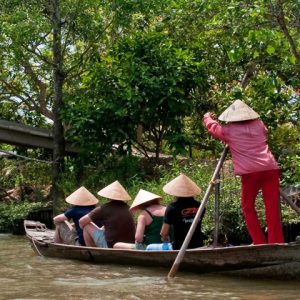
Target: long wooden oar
{"points": [[190, 233]]}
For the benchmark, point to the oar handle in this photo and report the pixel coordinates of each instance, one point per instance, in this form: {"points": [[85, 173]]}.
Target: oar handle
{"points": [[190, 233]]}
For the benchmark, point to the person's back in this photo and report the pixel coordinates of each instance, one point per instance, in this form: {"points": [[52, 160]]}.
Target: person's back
{"points": [[180, 214], [83, 202], [75, 213], [149, 221], [117, 220], [154, 221], [118, 223], [248, 144]]}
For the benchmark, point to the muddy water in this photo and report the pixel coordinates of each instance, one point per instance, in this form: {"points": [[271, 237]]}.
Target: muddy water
{"points": [[25, 275]]}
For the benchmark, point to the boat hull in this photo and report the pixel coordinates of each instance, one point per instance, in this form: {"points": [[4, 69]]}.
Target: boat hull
{"points": [[200, 260]]}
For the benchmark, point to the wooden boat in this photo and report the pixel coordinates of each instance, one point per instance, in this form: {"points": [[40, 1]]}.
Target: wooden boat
{"points": [[264, 260]]}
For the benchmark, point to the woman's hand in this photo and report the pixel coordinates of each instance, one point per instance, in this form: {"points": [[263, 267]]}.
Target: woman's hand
{"points": [[210, 114]]}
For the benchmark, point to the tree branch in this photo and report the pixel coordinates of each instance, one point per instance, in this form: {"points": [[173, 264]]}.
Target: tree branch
{"points": [[42, 90], [81, 57], [280, 18], [39, 55], [248, 74]]}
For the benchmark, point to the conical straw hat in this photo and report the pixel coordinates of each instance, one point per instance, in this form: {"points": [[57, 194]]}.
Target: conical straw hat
{"points": [[238, 111], [82, 197], [182, 186], [115, 191], [143, 197]]}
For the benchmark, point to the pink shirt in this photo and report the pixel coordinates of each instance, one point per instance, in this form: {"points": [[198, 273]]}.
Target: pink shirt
{"points": [[247, 142]]}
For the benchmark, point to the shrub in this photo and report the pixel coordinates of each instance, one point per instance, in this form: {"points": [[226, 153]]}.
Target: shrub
{"points": [[11, 214]]}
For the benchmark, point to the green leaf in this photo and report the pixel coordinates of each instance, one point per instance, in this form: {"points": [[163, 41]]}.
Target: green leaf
{"points": [[255, 54], [270, 49], [231, 55], [292, 59]]}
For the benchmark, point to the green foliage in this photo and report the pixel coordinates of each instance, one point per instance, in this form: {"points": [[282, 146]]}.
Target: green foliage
{"points": [[159, 65], [122, 169], [26, 40], [144, 81], [15, 173], [291, 169], [135, 174], [13, 213]]}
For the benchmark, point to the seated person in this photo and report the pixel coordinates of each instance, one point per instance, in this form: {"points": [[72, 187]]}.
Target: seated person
{"points": [[181, 213], [83, 202], [149, 221], [114, 215]]}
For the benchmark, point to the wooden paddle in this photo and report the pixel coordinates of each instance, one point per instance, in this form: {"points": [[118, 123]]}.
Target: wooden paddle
{"points": [[190, 233]]}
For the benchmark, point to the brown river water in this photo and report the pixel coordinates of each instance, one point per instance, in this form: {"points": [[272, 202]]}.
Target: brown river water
{"points": [[24, 275]]}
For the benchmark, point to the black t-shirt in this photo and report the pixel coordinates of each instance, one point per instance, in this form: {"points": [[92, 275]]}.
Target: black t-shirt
{"points": [[180, 214]]}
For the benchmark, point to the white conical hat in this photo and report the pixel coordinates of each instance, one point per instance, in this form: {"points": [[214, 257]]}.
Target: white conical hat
{"points": [[182, 186], [115, 191], [143, 197], [82, 197], [238, 111]]}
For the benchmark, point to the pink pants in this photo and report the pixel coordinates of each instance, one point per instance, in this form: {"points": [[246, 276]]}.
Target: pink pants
{"points": [[268, 182]]}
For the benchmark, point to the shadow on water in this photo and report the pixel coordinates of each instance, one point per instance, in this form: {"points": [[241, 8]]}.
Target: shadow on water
{"points": [[25, 275]]}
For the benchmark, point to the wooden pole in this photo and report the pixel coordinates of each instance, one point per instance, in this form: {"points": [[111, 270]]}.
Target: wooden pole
{"points": [[217, 211], [190, 233]]}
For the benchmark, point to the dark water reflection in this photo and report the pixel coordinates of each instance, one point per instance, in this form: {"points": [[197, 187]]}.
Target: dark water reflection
{"points": [[27, 276]]}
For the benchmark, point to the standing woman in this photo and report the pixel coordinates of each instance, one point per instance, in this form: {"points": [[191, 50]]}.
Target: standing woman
{"points": [[246, 136], [149, 221]]}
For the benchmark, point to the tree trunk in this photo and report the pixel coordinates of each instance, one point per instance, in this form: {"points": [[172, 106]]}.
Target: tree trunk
{"points": [[58, 130]]}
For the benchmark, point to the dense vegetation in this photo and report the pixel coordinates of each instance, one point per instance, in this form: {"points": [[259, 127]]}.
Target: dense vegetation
{"points": [[124, 77], [135, 174]]}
